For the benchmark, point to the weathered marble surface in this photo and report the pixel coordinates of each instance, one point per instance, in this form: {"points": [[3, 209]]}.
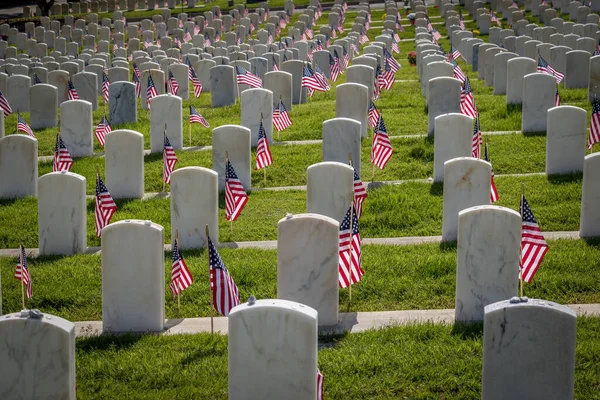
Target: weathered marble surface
{"points": [[594, 78], [589, 225], [43, 101], [122, 103], [363, 75], [18, 166], [254, 104], [444, 98], [62, 213], [340, 137], [272, 351], [453, 138], [180, 73], [433, 70], [37, 357], [76, 127], [516, 69], [539, 92], [235, 140], [124, 164], [565, 139], [86, 84], [501, 71], [60, 79], [309, 277], [352, 101], [280, 83], [577, 71], [118, 74], [329, 188], [490, 54], [159, 82], [223, 85], [166, 109], [295, 68], [139, 246], [17, 92], [202, 69]]}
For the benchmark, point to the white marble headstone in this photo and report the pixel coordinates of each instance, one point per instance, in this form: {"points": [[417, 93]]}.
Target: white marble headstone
{"points": [[329, 188], [166, 109], [18, 166], [453, 138], [76, 127], [254, 103], [235, 140], [341, 136], [124, 164]]}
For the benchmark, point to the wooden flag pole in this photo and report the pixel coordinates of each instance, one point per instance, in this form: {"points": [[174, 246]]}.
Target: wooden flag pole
{"points": [[265, 167], [212, 328], [351, 246], [22, 286], [226, 165], [163, 174], [279, 107], [479, 141], [190, 121], [178, 291], [520, 247]]}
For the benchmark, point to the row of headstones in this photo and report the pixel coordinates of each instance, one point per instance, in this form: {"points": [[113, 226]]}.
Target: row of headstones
{"points": [[104, 6]]}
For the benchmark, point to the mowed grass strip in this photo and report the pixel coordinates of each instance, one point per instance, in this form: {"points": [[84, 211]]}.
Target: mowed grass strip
{"points": [[396, 278], [414, 361]]}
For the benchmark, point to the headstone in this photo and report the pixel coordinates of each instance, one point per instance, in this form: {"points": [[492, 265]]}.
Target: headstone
{"points": [[362, 75], [202, 68], [222, 84], [341, 136], [76, 127], [86, 84], [166, 111], [594, 78], [577, 71], [18, 166], [235, 140], [122, 103], [530, 335], [453, 138], [118, 74], [539, 92], [124, 164], [565, 140], [517, 68], [43, 101], [352, 101], [126, 307], [62, 214], [329, 188], [280, 84], [257, 107], [295, 67], [444, 98], [466, 184], [501, 71], [17, 92], [589, 225], [487, 259], [158, 77]]}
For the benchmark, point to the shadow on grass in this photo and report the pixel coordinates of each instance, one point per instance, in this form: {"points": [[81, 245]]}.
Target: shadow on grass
{"points": [[437, 189], [592, 241], [445, 246], [10, 202], [559, 179], [534, 134], [213, 348], [514, 108], [91, 206], [468, 331], [108, 341]]}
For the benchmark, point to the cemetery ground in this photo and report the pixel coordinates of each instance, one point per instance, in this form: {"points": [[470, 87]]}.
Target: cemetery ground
{"points": [[414, 361]]}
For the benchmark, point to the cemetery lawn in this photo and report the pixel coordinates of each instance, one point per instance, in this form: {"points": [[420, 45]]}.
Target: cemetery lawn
{"points": [[414, 361], [396, 278]]}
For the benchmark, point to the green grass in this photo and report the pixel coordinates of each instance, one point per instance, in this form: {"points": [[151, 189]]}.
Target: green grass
{"points": [[423, 361], [396, 278]]}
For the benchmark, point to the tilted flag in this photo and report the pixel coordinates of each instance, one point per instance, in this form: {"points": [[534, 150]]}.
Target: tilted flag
{"points": [[379, 83], [334, 67], [5, 105], [195, 117], [429, 26], [381, 152], [281, 118], [181, 278], [136, 70], [399, 25], [195, 81], [102, 129], [350, 271], [320, 382], [467, 102], [23, 127], [105, 206], [546, 68], [455, 53], [557, 98], [533, 244], [151, 91], [225, 293], [320, 76], [36, 79], [138, 85], [62, 159], [235, 195], [275, 66], [246, 77], [169, 160], [395, 47], [388, 77], [309, 33], [363, 38], [373, 114], [105, 85], [310, 81], [263, 153], [173, 85], [22, 271], [436, 36], [494, 192], [458, 72], [360, 194], [594, 136], [346, 57], [72, 93], [461, 20], [394, 65], [477, 139]]}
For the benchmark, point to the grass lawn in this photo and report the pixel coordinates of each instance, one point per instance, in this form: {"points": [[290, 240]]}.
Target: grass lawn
{"points": [[417, 361], [396, 278]]}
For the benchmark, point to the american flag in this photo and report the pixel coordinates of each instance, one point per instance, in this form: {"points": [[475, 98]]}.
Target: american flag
{"points": [[340, 27], [195, 117], [373, 114], [455, 53], [22, 271], [105, 85], [177, 42], [320, 76], [346, 57], [169, 160], [309, 33], [363, 38], [195, 81], [282, 23], [320, 384], [381, 152], [350, 271], [36, 79], [105, 206], [461, 20], [395, 47], [394, 65], [594, 136], [102, 129], [429, 26], [319, 44], [269, 37], [546, 68], [138, 85], [136, 70], [309, 80], [399, 26], [173, 85], [187, 36], [477, 140], [181, 278], [467, 102], [147, 43], [494, 192], [281, 118], [494, 18], [246, 77], [225, 293], [5, 105], [334, 67], [62, 158], [360, 194], [275, 66], [23, 127], [72, 93], [458, 72], [207, 41], [150, 91], [557, 98], [263, 153], [435, 35], [379, 82], [533, 244], [235, 195], [388, 77]]}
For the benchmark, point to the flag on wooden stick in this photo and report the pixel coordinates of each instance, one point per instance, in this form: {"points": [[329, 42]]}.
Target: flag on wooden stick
{"points": [[62, 159], [350, 271], [181, 278], [169, 160], [225, 293], [235, 195], [105, 206], [22, 271], [533, 244]]}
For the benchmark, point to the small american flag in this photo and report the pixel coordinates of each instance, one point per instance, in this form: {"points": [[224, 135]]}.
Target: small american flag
{"points": [[467, 102], [394, 65], [533, 244], [102, 129], [181, 278], [373, 115], [346, 57], [275, 66], [173, 85], [477, 139], [23, 127], [281, 118], [207, 41], [557, 98], [72, 93], [246, 77], [195, 81], [36, 79], [320, 76], [399, 25], [195, 117], [309, 33], [363, 38], [150, 91], [429, 26], [461, 20], [594, 136], [350, 271], [136, 70], [235, 195], [334, 67], [360, 194], [105, 85], [138, 85], [62, 158], [388, 77], [320, 383], [494, 192], [395, 47], [22, 271], [263, 153], [546, 68], [147, 43], [105, 206], [225, 293], [458, 72], [169, 160], [309, 80], [381, 152], [5, 105], [319, 44], [455, 53], [435, 35]]}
